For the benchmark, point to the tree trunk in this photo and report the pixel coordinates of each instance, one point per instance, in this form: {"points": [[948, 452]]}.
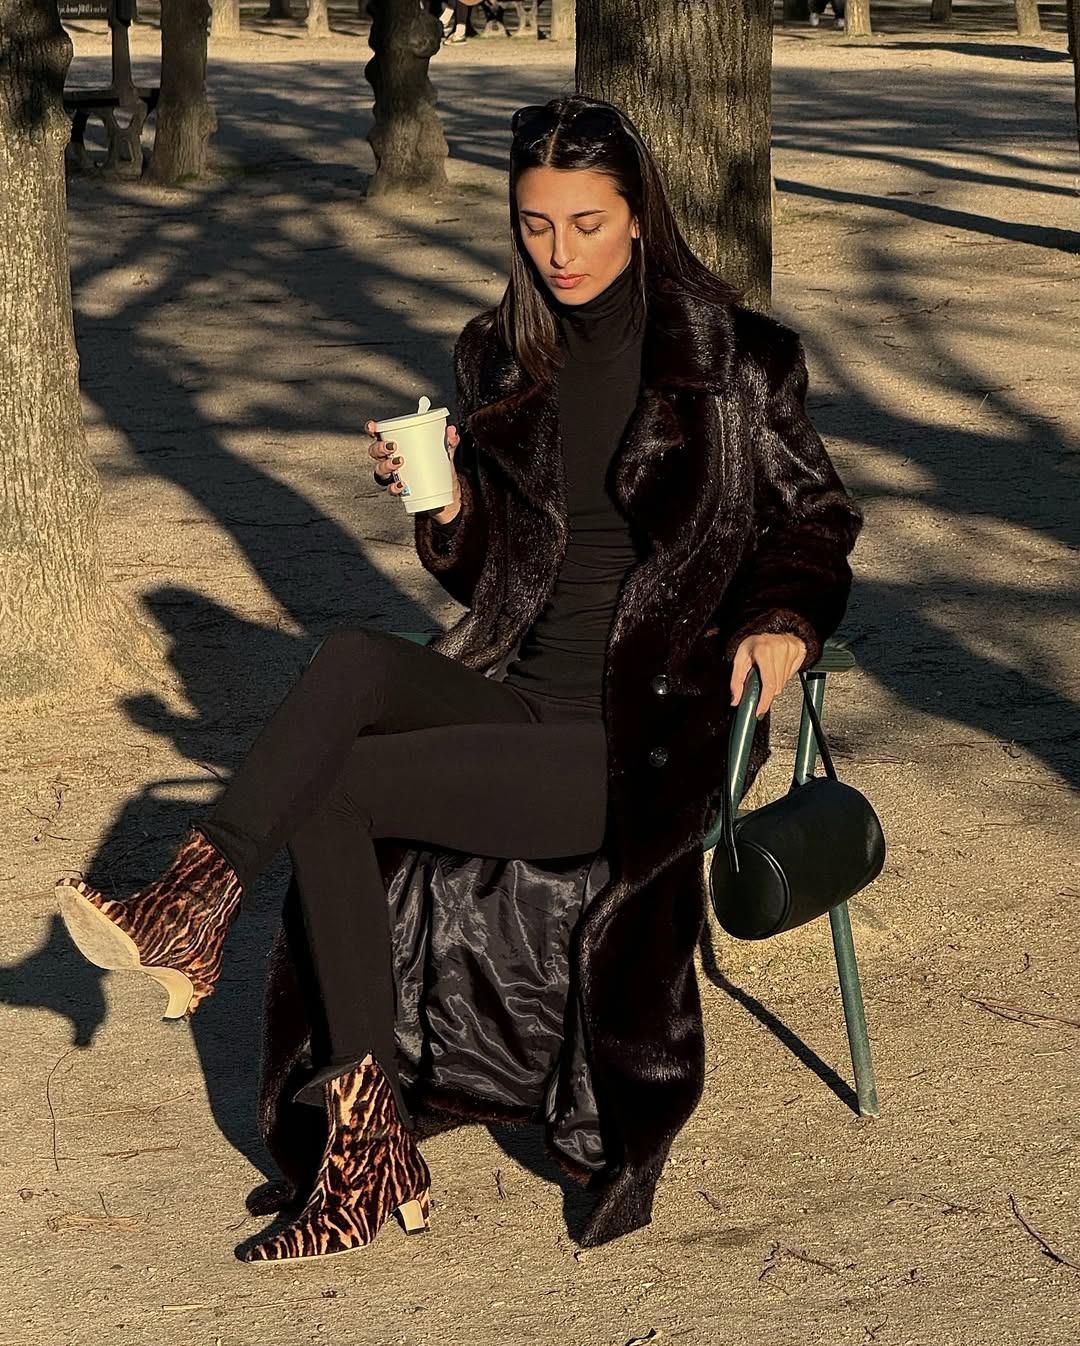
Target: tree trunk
{"points": [[564, 20], [1072, 8], [318, 19], [185, 120], [694, 76], [941, 11], [857, 18], [1027, 18], [58, 619], [796, 11], [225, 20], [407, 136]]}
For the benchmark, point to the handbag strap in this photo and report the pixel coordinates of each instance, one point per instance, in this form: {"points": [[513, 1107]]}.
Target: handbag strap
{"points": [[728, 806], [819, 733]]}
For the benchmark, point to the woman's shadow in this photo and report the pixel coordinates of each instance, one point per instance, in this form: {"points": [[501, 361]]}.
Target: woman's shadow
{"points": [[205, 639]]}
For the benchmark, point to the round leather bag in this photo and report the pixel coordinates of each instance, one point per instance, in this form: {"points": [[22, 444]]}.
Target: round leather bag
{"points": [[797, 858]]}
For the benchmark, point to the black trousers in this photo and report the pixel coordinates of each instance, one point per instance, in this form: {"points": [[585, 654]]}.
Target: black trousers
{"points": [[383, 738]]}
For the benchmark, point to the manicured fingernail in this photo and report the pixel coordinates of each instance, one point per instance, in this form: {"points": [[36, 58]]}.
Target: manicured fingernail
{"points": [[397, 461]]}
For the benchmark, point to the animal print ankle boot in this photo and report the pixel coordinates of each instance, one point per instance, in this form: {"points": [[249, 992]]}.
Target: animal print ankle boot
{"points": [[173, 931], [371, 1169]]}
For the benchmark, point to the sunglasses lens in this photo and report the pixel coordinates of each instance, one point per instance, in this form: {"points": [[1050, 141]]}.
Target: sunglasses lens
{"points": [[533, 123], [528, 122]]}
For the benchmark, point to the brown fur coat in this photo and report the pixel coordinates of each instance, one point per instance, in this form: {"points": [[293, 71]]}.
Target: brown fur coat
{"points": [[743, 526]]}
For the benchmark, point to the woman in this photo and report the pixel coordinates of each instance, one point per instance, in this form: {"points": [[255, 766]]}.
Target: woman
{"points": [[641, 513], [455, 20]]}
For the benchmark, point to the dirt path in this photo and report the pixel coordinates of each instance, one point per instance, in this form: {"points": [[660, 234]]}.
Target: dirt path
{"points": [[233, 336]]}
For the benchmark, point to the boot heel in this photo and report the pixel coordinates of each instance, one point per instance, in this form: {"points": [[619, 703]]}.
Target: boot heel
{"points": [[180, 988], [414, 1215]]}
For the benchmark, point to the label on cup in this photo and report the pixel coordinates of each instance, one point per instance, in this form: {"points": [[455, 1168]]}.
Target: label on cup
{"points": [[427, 475]]}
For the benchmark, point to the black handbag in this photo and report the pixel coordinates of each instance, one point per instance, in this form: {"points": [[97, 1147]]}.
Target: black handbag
{"points": [[791, 861]]}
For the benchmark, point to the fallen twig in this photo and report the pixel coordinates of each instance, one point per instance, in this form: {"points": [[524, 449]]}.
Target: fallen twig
{"points": [[777, 1254], [812, 1261], [47, 818], [123, 1226], [716, 1205], [947, 1207], [49, 1102], [147, 1108], [1018, 1014], [130, 1154], [1050, 1252]]}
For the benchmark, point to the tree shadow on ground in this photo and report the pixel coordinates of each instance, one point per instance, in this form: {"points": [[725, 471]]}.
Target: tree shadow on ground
{"points": [[995, 51], [1040, 236]]}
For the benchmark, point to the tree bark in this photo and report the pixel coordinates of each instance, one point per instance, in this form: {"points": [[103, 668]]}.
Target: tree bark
{"points": [[941, 11], [564, 20], [185, 119], [318, 19], [1027, 18], [1072, 10], [857, 19], [407, 135], [225, 20], [796, 10], [58, 619], [694, 76]]}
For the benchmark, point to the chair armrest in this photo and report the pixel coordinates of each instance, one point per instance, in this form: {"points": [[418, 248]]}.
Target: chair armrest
{"points": [[835, 658]]}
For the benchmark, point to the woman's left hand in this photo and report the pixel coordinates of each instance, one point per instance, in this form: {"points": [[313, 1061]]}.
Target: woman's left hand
{"points": [[778, 659]]}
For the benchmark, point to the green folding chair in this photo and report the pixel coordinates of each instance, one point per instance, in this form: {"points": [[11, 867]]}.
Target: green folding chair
{"points": [[835, 658]]}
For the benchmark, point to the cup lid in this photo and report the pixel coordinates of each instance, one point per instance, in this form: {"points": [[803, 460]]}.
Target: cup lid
{"points": [[423, 415]]}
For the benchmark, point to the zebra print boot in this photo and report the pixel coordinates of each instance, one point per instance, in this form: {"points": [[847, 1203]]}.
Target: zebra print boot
{"points": [[173, 931], [371, 1169]]}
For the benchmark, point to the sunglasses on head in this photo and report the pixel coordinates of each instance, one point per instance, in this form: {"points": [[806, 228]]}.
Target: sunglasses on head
{"points": [[534, 123]]}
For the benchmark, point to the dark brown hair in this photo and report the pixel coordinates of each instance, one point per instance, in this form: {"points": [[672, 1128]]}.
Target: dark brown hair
{"points": [[576, 132]]}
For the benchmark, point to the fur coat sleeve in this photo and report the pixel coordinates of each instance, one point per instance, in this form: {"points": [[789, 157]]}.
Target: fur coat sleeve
{"points": [[798, 578], [455, 554]]}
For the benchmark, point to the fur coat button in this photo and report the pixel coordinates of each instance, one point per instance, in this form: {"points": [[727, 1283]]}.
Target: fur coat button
{"points": [[661, 684], [658, 756]]}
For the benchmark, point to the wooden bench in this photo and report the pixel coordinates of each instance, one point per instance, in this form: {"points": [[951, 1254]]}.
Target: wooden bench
{"points": [[122, 107], [528, 12]]}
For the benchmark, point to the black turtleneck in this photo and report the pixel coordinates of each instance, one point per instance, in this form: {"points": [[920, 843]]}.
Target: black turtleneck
{"points": [[561, 661]]}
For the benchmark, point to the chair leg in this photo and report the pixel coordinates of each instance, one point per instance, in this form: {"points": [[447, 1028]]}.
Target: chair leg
{"points": [[854, 1013]]}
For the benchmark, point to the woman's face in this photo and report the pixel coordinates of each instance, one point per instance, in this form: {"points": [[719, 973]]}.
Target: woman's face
{"points": [[577, 228]]}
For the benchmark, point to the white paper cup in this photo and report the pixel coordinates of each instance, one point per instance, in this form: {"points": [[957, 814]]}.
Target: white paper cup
{"points": [[427, 473]]}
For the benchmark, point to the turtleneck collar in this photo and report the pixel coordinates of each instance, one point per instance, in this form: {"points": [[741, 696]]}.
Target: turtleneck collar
{"points": [[606, 325]]}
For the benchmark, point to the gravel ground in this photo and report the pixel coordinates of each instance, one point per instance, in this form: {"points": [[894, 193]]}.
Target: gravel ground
{"points": [[233, 337]]}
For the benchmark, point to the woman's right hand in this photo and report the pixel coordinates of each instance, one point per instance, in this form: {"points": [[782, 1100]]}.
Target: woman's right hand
{"points": [[388, 462]]}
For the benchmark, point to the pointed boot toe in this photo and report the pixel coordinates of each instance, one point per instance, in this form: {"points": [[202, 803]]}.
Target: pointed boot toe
{"points": [[371, 1169]]}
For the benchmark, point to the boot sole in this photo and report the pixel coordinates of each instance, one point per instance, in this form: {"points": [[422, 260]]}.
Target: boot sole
{"points": [[104, 944], [409, 1215]]}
